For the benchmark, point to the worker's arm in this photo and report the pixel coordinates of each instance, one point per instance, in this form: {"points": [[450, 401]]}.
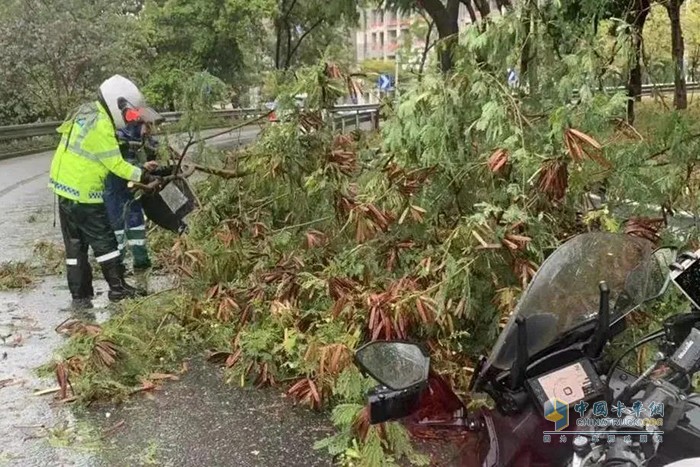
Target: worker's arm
{"points": [[102, 144]]}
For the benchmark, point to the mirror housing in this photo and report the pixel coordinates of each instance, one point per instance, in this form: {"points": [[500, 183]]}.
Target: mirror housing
{"points": [[386, 405], [397, 365]]}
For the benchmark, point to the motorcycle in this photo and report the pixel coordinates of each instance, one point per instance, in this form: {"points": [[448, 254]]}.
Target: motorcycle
{"points": [[549, 377]]}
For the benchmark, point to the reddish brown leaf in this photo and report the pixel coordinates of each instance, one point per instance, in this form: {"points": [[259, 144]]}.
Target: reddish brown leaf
{"points": [[581, 136], [582, 143], [361, 424], [163, 376], [62, 379], [554, 179], [498, 161], [645, 227], [314, 239]]}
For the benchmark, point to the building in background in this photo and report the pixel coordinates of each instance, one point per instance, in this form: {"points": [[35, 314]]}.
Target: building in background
{"points": [[380, 32]]}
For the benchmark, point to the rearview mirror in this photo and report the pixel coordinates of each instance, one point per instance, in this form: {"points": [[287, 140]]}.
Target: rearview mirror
{"points": [[396, 365]]}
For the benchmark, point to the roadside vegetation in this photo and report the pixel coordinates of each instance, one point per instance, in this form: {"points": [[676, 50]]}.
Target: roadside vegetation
{"points": [[48, 259], [430, 230], [15, 275]]}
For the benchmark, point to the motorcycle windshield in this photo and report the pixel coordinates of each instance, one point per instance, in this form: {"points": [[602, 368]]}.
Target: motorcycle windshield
{"points": [[565, 291]]}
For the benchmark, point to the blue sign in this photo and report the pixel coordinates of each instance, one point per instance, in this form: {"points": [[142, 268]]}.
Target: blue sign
{"points": [[384, 83]]}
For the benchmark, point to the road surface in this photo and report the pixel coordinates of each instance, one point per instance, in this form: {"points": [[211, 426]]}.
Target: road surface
{"points": [[197, 421], [27, 203]]}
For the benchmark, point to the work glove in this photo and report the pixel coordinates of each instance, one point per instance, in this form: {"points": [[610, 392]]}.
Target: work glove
{"points": [[151, 166], [147, 177]]}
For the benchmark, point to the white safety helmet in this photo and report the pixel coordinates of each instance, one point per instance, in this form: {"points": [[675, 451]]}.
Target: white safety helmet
{"points": [[125, 103]]}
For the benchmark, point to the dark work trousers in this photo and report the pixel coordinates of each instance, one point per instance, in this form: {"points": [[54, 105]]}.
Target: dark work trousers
{"points": [[126, 216], [83, 226]]}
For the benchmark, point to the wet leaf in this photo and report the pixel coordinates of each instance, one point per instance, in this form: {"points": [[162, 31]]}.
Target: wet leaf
{"points": [[498, 161], [554, 179]]}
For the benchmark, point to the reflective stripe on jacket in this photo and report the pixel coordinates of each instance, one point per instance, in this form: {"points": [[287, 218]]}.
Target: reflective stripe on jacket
{"points": [[87, 153]]}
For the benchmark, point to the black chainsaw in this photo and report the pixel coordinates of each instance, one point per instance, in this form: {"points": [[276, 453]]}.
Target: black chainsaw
{"points": [[169, 199]]}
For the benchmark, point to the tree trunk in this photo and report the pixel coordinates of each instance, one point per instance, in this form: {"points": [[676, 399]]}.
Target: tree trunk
{"points": [[278, 45], [680, 95], [636, 17], [470, 10], [483, 7], [288, 59], [283, 34], [445, 19], [528, 65], [426, 49]]}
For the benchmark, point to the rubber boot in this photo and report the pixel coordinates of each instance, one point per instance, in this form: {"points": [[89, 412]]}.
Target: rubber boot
{"points": [[86, 289], [81, 304], [121, 244], [118, 288], [141, 259], [136, 239]]}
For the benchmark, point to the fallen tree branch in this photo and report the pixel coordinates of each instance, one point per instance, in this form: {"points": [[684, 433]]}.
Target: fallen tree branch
{"points": [[112, 429], [47, 391], [223, 173], [668, 148]]}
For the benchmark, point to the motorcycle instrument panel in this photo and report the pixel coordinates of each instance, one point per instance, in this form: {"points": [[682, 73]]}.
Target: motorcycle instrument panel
{"points": [[570, 384]]}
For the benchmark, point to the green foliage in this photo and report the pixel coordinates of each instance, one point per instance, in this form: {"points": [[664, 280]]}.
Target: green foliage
{"points": [[221, 37], [391, 437], [151, 336], [304, 31], [657, 42], [328, 242], [55, 53]]}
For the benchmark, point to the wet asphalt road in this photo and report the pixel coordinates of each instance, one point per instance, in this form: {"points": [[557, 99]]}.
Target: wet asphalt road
{"points": [[27, 204], [198, 421]]}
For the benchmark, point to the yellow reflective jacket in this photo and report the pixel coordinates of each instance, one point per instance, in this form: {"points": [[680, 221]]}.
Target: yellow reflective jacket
{"points": [[87, 153]]}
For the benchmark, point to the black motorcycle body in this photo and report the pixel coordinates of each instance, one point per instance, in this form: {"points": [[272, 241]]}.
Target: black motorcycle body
{"points": [[576, 303]]}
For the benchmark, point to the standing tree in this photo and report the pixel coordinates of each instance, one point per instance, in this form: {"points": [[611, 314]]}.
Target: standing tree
{"points": [[636, 17], [304, 29], [578, 14], [680, 95], [657, 48], [54, 53], [445, 16]]}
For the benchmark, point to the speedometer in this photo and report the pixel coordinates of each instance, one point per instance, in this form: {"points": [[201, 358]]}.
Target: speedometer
{"points": [[569, 384]]}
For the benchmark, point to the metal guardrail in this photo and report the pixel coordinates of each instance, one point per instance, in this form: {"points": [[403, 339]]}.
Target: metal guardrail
{"points": [[343, 116], [48, 128], [172, 117], [15, 132], [651, 89]]}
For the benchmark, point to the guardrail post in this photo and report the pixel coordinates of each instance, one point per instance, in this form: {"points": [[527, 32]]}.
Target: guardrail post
{"points": [[357, 120], [375, 119]]}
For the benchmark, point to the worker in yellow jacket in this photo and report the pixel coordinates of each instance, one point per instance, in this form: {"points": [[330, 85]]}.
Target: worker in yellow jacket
{"points": [[87, 153]]}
